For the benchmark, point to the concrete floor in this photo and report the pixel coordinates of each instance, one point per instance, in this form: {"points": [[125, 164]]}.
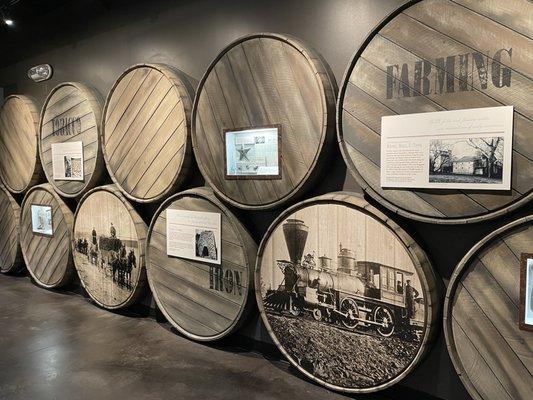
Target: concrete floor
{"points": [[56, 345]]}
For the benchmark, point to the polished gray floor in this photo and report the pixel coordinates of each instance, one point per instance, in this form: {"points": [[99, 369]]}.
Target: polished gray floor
{"points": [[57, 345]]}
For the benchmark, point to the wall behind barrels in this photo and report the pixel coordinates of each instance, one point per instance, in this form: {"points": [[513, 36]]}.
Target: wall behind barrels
{"points": [[188, 35]]}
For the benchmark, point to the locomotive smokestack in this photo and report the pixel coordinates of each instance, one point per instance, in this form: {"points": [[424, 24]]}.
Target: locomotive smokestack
{"points": [[295, 232]]}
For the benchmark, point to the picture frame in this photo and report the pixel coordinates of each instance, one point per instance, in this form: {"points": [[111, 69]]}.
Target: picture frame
{"points": [[228, 131], [525, 318], [43, 224]]}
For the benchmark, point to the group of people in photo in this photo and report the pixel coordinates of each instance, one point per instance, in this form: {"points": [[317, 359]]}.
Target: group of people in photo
{"points": [[109, 253]]}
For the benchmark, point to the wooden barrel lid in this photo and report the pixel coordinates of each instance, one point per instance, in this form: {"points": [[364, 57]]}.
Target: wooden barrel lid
{"points": [[20, 167], [10, 255], [263, 80], [203, 301], [492, 356], [462, 36], [47, 254], [329, 260], [108, 247], [146, 131], [72, 113]]}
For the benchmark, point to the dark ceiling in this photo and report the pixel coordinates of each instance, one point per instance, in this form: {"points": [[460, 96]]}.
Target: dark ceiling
{"points": [[44, 24]]}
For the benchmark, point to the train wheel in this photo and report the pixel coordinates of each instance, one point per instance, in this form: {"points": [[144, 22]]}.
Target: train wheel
{"points": [[317, 314], [351, 311], [383, 316]]}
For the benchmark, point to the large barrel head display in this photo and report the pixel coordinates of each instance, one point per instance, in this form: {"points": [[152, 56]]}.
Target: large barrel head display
{"points": [[69, 138], [345, 293], [263, 120], [46, 230], [203, 300], [20, 166], [108, 245], [146, 131], [438, 55], [10, 255], [491, 353]]}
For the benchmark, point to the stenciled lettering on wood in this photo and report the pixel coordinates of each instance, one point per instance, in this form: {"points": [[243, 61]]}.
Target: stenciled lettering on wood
{"points": [[66, 126], [426, 78], [229, 281]]}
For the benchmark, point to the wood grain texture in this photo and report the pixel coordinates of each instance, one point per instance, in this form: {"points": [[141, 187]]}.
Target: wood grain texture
{"points": [[336, 224], [73, 100], [429, 32], [259, 80], [186, 291], [48, 259], [20, 166], [10, 255], [146, 131], [111, 265], [492, 356]]}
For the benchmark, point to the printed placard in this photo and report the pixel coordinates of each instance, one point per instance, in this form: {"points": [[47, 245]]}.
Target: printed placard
{"points": [[41, 219], [460, 149], [194, 235], [253, 153], [67, 161]]}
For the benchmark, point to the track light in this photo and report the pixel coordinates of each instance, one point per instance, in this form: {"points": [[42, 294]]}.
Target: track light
{"points": [[9, 22]]}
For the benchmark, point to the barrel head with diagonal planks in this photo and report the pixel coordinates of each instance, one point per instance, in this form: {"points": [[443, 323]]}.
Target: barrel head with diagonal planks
{"points": [[492, 355], [436, 55], [146, 131], [20, 166], [264, 80], [72, 114], [10, 254], [204, 301], [48, 257]]}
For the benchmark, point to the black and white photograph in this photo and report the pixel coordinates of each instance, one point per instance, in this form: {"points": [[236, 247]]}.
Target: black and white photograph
{"points": [[42, 219], [67, 161], [342, 296], [106, 248], [467, 160], [205, 244], [526, 292], [73, 167]]}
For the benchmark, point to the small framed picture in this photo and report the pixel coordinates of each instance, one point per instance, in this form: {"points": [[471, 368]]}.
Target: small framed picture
{"points": [[253, 152], [41, 220], [526, 292]]}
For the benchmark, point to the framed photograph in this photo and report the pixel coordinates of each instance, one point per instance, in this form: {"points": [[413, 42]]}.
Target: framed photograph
{"points": [[194, 235], [458, 149], [253, 152], [67, 161], [526, 292], [41, 220]]}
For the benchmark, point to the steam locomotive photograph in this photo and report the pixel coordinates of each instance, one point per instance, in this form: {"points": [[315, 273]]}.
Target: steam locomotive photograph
{"points": [[337, 295], [106, 248]]}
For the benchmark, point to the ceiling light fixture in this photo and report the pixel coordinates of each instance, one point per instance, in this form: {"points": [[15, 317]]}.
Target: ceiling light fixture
{"points": [[5, 7]]}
